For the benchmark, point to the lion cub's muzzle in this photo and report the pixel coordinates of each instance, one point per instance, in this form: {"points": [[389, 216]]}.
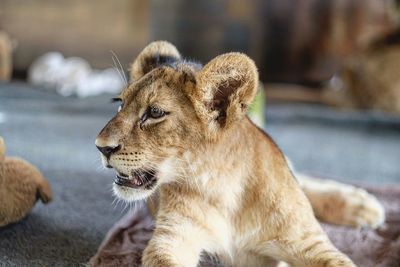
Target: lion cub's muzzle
{"points": [[139, 179]]}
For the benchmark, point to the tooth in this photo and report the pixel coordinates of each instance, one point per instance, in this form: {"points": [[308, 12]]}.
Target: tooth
{"points": [[137, 182]]}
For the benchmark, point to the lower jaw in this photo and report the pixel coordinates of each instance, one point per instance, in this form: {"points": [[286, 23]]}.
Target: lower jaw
{"points": [[131, 194]]}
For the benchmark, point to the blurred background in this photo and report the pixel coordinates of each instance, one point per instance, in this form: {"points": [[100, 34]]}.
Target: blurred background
{"points": [[330, 80], [304, 42]]}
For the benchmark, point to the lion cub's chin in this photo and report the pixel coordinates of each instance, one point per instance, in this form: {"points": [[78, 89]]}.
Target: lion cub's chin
{"points": [[131, 194]]}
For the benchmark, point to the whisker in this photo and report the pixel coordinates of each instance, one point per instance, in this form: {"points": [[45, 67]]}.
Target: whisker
{"points": [[117, 69], [115, 58]]}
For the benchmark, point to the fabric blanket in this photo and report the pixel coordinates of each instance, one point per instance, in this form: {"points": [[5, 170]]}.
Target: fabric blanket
{"points": [[125, 242]]}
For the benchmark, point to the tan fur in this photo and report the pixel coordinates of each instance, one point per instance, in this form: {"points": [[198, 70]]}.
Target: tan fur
{"points": [[21, 184], [223, 185]]}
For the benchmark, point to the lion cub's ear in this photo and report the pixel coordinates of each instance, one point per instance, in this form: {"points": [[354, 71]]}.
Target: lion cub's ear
{"points": [[153, 55], [226, 86]]}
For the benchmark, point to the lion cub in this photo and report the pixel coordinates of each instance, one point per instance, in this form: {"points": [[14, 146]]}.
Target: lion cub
{"points": [[222, 186]]}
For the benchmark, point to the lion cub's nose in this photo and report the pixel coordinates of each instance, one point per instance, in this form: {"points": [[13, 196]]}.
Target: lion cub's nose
{"points": [[108, 150], [107, 146]]}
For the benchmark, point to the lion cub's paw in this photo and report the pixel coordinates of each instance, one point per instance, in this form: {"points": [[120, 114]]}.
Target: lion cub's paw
{"points": [[362, 209], [342, 204]]}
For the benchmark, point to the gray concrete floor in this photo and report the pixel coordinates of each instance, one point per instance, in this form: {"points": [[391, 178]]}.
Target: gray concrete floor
{"points": [[57, 134]]}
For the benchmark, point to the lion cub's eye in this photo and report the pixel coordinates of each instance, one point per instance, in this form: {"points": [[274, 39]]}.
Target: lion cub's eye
{"points": [[155, 112], [151, 113]]}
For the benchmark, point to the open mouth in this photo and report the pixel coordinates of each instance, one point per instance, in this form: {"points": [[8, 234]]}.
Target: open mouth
{"points": [[139, 179]]}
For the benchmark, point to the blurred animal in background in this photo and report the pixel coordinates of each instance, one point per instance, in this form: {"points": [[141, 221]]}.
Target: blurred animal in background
{"points": [[6, 48], [21, 185], [307, 41], [370, 79], [360, 58]]}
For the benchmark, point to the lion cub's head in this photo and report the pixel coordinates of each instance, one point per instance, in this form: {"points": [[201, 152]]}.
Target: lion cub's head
{"points": [[172, 106]]}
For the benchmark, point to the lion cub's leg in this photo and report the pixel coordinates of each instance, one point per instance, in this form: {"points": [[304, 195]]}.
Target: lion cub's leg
{"points": [[340, 203], [176, 242], [311, 249]]}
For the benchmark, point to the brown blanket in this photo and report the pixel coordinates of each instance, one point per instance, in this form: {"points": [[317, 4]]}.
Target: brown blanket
{"points": [[125, 242]]}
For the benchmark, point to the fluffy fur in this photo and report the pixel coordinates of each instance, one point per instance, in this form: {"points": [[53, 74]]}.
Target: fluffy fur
{"points": [[21, 184], [223, 186]]}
